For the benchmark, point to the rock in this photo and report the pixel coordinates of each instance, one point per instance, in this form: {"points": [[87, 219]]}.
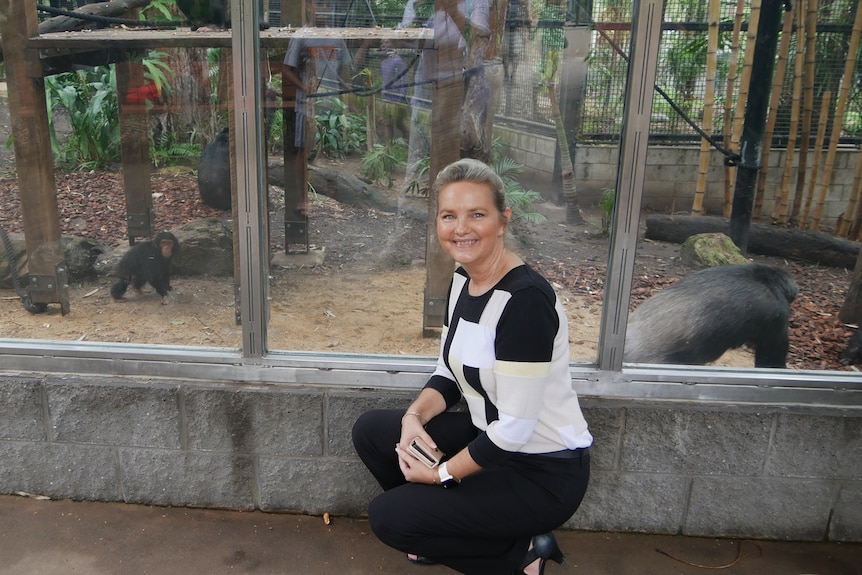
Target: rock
{"points": [[206, 248], [19, 252], [80, 254], [709, 250]]}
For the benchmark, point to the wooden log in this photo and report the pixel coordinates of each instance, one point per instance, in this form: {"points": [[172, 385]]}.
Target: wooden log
{"points": [[116, 9], [803, 245]]}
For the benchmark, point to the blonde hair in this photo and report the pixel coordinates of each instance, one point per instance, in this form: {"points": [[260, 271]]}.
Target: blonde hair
{"points": [[470, 170]]}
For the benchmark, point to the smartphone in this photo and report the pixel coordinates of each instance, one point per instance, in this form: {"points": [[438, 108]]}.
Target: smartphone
{"points": [[424, 453]]}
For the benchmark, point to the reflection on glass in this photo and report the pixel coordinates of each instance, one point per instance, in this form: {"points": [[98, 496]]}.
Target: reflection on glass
{"points": [[360, 282], [128, 136], [791, 312]]}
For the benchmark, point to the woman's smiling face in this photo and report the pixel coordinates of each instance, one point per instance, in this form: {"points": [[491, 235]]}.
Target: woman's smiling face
{"points": [[469, 226]]}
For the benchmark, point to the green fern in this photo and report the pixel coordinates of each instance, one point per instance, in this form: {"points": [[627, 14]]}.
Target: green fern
{"points": [[378, 164]]}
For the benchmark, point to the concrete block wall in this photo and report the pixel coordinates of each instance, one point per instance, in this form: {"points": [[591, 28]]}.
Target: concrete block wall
{"points": [[671, 174], [681, 467]]}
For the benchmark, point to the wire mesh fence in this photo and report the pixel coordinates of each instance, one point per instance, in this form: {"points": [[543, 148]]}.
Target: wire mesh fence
{"points": [[534, 32]]}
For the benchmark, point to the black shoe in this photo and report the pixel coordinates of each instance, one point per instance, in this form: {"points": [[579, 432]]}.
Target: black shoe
{"points": [[544, 547], [419, 560]]}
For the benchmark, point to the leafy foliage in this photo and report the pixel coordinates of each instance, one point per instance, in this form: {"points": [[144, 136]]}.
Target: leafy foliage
{"points": [[606, 205], [520, 200], [339, 132], [89, 97], [380, 162]]}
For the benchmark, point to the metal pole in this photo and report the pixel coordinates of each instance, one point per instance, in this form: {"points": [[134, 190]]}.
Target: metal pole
{"points": [[756, 109]]}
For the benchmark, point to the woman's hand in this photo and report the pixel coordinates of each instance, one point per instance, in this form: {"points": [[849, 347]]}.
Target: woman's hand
{"points": [[414, 470], [413, 426]]}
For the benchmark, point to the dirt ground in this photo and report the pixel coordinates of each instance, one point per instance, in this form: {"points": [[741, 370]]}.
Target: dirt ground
{"points": [[367, 295]]}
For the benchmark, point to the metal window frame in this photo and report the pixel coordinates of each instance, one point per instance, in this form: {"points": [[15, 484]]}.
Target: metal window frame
{"points": [[254, 364]]}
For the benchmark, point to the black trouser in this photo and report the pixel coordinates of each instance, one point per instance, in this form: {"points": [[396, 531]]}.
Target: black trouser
{"points": [[482, 526]]}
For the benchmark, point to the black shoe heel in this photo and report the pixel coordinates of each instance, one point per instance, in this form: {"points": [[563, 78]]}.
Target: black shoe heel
{"points": [[544, 548]]}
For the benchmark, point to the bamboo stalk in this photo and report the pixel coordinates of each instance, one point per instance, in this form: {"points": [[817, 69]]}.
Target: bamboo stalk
{"points": [[745, 81], [807, 105], [779, 211], [708, 105], [777, 83], [823, 121], [838, 118], [728, 102]]}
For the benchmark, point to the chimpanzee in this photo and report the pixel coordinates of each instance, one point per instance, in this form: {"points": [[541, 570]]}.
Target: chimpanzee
{"points": [[209, 15], [698, 318], [147, 261], [852, 354], [214, 172]]}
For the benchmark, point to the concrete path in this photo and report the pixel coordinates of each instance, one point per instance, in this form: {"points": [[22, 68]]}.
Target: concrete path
{"points": [[40, 537]]}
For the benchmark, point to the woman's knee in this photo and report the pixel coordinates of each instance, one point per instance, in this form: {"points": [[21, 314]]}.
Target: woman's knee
{"points": [[387, 521], [368, 426]]}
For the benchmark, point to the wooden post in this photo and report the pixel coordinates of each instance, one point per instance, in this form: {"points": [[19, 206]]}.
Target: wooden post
{"points": [[135, 146], [295, 159], [33, 157], [444, 59]]}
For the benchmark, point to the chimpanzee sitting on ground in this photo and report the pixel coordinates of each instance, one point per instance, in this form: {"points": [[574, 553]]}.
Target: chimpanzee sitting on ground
{"points": [[697, 319], [146, 262]]}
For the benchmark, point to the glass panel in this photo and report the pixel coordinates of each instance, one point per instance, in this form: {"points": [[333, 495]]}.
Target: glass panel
{"points": [[799, 311], [131, 133], [387, 112]]}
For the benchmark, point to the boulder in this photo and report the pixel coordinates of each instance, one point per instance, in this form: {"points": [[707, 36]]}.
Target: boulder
{"points": [[206, 248], [709, 250], [80, 254]]}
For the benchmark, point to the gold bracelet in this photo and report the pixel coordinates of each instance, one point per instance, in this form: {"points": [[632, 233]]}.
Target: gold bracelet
{"points": [[417, 414]]}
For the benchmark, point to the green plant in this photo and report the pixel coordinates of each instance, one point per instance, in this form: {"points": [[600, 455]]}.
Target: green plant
{"points": [[339, 132], [420, 167], [157, 71], [606, 205], [159, 10], [89, 97], [517, 198], [379, 163], [166, 151]]}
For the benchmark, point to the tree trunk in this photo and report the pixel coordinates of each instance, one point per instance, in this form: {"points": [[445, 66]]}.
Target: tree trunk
{"points": [[570, 188], [802, 245]]}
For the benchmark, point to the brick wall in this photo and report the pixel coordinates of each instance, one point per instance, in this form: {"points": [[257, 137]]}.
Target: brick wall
{"points": [[711, 469]]}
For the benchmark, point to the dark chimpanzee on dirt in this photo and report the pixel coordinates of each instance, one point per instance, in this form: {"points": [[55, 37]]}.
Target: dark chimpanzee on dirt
{"points": [[698, 318], [147, 262]]}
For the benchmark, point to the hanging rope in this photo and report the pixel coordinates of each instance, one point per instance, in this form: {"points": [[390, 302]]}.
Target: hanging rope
{"points": [[731, 158]]}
